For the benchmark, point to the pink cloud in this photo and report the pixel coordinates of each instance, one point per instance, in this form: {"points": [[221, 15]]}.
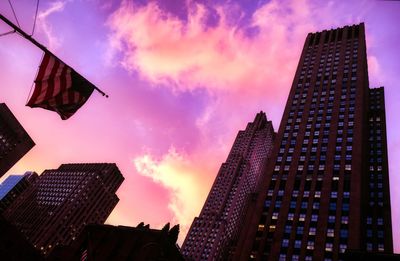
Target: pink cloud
{"points": [[185, 176], [189, 55]]}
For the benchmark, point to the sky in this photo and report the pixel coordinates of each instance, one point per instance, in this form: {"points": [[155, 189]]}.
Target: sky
{"points": [[183, 76]]}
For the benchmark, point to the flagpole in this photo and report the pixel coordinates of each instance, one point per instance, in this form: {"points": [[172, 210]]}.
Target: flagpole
{"points": [[40, 46]]}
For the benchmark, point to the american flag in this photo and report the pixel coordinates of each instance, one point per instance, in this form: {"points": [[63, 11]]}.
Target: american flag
{"points": [[59, 88]]}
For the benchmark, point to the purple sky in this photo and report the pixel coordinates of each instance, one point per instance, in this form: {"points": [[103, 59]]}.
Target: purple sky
{"points": [[183, 78]]}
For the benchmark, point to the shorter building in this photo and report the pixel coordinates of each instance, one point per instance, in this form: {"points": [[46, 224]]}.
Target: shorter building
{"points": [[106, 242], [13, 186], [56, 209], [14, 246], [14, 140]]}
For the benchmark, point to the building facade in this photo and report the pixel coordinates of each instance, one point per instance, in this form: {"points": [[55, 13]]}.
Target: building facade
{"points": [[213, 234], [63, 201], [326, 161], [13, 186], [377, 218], [14, 140]]}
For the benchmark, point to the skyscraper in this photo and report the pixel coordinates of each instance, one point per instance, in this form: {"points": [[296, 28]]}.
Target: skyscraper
{"points": [[215, 231], [13, 186], [326, 186], [14, 140], [56, 209]]}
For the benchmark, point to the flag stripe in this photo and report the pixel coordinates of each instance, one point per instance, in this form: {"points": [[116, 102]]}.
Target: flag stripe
{"points": [[44, 83], [38, 85], [63, 85], [51, 81]]}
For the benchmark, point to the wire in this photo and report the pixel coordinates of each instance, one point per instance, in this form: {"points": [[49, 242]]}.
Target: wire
{"points": [[15, 16], [34, 22], [7, 33]]}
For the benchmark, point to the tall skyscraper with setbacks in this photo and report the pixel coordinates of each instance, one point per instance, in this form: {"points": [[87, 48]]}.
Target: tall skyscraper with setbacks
{"points": [[214, 233], [326, 187], [63, 201], [14, 140]]}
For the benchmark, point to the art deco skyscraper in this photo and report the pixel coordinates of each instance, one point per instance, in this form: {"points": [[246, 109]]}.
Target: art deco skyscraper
{"points": [[326, 187], [62, 201], [14, 140], [215, 231]]}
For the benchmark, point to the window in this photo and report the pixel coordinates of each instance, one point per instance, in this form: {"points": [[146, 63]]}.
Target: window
{"points": [[344, 233], [288, 228], [342, 248], [310, 245], [314, 218], [329, 247], [300, 230], [312, 231]]}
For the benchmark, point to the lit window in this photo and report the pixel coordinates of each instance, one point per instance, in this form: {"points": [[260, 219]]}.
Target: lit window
{"points": [[329, 247], [312, 231], [310, 245]]}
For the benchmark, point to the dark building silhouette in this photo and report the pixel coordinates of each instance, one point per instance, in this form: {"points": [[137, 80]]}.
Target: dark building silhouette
{"points": [[120, 243], [13, 186], [326, 187], [14, 140], [377, 217], [369, 256], [213, 234], [63, 201], [14, 246]]}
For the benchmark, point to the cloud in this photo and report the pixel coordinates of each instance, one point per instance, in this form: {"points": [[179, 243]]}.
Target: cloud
{"points": [[187, 183], [45, 27], [190, 54]]}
